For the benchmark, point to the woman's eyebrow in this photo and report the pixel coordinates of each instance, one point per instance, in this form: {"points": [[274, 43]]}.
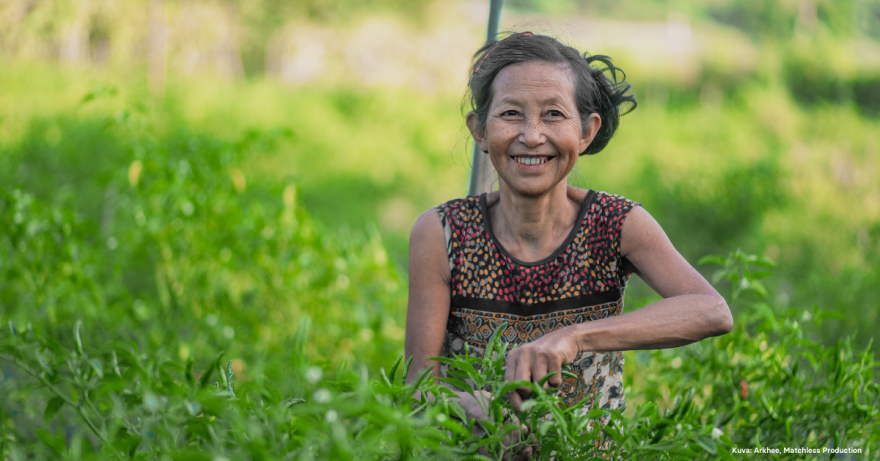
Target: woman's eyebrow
{"points": [[516, 101]]}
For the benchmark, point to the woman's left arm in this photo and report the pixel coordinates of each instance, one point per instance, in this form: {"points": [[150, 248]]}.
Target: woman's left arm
{"points": [[690, 311]]}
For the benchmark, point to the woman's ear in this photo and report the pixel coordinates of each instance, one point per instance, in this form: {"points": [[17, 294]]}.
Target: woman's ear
{"points": [[589, 131], [478, 132]]}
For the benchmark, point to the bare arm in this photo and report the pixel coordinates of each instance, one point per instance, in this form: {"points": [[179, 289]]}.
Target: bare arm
{"points": [[429, 292], [690, 311], [428, 310]]}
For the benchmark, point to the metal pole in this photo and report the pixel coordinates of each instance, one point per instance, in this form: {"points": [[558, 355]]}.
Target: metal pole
{"points": [[482, 171]]}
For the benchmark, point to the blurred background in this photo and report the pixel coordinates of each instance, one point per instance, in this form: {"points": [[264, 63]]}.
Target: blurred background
{"points": [[205, 174]]}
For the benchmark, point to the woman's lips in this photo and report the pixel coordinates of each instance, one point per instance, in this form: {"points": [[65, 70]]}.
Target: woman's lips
{"points": [[531, 163]]}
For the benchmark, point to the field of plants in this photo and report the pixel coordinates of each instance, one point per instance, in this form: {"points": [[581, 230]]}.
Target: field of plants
{"points": [[218, 271]]}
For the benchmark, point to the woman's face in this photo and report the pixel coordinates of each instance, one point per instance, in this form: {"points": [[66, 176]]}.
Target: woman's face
{"points": [[533, 130]]}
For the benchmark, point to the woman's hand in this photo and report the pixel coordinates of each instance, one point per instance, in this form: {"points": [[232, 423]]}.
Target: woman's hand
{"points": [[532, 361], [475, 407]]}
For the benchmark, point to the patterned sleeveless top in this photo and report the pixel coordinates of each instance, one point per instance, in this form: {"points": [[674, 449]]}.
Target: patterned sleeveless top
{"points": [[583, 280]]}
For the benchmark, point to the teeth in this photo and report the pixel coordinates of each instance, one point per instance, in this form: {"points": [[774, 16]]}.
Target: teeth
{"points": [[531, 160]]}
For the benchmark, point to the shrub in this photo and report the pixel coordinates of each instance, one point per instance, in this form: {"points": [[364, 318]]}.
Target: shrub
{"points": [[762, 385]]}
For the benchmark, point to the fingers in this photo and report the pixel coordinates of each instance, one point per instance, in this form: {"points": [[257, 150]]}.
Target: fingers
{"points": [[516, 400], [539, 370], [556, 380], [523, 372]]}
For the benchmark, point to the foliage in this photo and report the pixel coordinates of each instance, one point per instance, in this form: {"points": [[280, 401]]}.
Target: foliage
{"points": [[184, 250], [161, 234], [70, 395]]}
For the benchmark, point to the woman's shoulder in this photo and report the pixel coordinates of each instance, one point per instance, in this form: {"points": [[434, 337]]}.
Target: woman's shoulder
{"points": [[459, 208], [609, 202]]}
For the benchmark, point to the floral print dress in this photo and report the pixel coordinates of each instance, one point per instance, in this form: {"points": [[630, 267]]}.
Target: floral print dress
{"points": [[583, 280]]}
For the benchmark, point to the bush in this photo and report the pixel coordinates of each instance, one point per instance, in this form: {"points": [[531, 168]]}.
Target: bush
{"points": [[762, 385]]}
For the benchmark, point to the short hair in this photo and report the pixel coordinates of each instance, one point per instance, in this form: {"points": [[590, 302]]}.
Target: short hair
{"points": [[597, 90]]}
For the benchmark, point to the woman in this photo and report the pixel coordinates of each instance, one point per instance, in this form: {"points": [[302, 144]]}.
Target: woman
{"points": [[549, 259]]}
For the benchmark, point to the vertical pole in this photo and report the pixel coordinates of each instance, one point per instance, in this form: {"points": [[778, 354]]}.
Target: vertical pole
{"points": [[157, 64], [482, 171]]}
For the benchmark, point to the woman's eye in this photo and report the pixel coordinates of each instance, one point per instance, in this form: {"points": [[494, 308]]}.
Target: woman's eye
{"points": [[555, 113], [509, 113]]}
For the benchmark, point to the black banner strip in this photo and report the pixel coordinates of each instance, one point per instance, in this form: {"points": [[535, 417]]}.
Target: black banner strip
{"points": [[526, 309]]}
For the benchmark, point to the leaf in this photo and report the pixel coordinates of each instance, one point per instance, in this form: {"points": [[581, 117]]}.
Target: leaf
{"points": [[469, 369], [188, 374], [206, 377], [98, 367], [706, 444], [528, 405], [490, 346], [127, 443], [43, 363], [53, 441], [76, 337], [461, 384], [544, 426], [393, 371], [384, 377], [546, 378], [765, 261], [406, 367], [455, 409], [569, 374], [52, 408], [115, 363], [758, 288], [712, 259], [488, 426]]}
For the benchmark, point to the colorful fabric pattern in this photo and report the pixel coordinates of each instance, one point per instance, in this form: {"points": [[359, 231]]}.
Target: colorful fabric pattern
{"points": [[583, 280]]}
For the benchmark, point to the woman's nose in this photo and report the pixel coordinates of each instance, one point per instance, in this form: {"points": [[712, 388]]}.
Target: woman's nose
{"points": [[532, 133]]}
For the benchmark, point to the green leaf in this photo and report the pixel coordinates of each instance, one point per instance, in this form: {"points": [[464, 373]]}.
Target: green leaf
{"points": [[461, 384], [188, 373], [54, 442], [406, 367], [546, 378], [76, 337], [52, 408], [758, 288], [115, 363], [469, 369], [455, 409], [384, 377], [765, 261], [394, 368], [206, 377], [490, 346], [711, 259], [98, 367], [706, 444], [488, 426]]}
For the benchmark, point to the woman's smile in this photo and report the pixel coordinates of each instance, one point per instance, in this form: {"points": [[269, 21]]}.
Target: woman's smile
{"points": [[530, 163]]}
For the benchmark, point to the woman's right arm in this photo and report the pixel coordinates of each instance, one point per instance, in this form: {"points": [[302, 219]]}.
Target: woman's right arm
{"points": [[428, 310], [429, 293]]}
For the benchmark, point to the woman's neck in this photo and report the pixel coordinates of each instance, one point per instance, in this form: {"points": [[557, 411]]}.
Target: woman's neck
{"points": [[531, 228]]}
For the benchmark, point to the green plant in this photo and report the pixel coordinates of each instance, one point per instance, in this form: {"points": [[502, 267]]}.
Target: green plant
{"points": [[745, 389]]}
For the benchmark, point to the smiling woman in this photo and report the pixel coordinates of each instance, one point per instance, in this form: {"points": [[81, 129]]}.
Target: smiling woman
{"points": [[549, 261]]}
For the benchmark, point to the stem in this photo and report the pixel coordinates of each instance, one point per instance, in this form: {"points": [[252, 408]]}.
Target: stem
{"points": [[69, 401]]}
